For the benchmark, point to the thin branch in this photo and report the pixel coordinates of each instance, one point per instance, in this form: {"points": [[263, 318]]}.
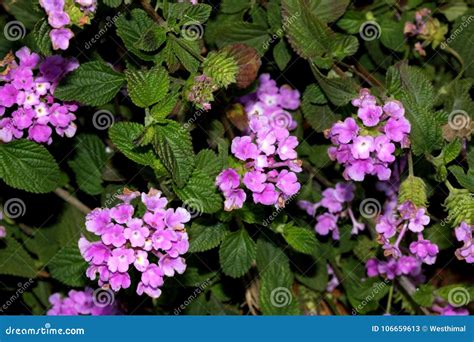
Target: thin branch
{"points": [[151, 11], [66, 196]]}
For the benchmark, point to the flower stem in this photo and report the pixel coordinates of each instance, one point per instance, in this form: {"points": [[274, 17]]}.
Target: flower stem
{"points": [[67, 197], [410, 164], [389, 302]]}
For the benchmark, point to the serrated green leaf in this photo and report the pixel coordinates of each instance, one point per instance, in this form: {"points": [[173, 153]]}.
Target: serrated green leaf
{"points": [[339, 91], [124, 135], [41, 37], [28, 166], [173, 145], [391, 33], [112, 3], [281, 54], [134, 31], [200, 193], [221, 67], [147, 87], [411, 86], [276, 279], [236, 253], [424, 295], [465, 179], [164, 107], [181, 49], [365, 248], [203, 237], [14, 260], [69, 267], [93, 83], [88, 164], [233, 6], [198, 13], [301, 239], [209, 163]]}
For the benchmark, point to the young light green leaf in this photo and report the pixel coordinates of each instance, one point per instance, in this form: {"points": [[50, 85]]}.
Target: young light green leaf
{"points": [[147, 87]]}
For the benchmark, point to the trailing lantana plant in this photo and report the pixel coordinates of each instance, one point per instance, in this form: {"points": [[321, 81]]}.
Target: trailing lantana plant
{"points": [[236, 157]]}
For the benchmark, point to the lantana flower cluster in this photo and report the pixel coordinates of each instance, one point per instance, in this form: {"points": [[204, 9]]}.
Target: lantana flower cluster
{"points": [[80, 303], [62, 14], [365, 145], [152, 242], [333, 206], [27, 102], [267, 160], [464, 234], [427, 29], [393, 226]]}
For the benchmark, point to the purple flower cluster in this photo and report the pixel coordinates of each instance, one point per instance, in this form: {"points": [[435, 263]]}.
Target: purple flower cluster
{"points": [[79, 303], [267, 158], [157, 235], [464, 234], [419, 28], [60, 20], [405, 265], [335, 203], [408, 218], [365, 145], [393, 227], [30, 98]]}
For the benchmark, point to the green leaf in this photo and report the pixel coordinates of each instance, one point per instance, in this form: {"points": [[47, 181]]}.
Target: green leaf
{"points": [[441, 235], [457, 294], [465, 179], [339, 91], [203, 238], [139, 29], [221, 67], [315, 110], [463, 32], [124, 135], [281, 54], [276, 279], [411, 86], [88, 164], [112, 3], [209, 163], [198, 13], [424, 295], [391, 33], [28, 166], [365, 248], [41, 37], [164, 107], [181, 49], [14, 260], [200, 194], [351, 21], [301, 239], [252, 34], [147, 87], [173, 145], [234, 6], [69, 267], [236, 253], [93, 83]]}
